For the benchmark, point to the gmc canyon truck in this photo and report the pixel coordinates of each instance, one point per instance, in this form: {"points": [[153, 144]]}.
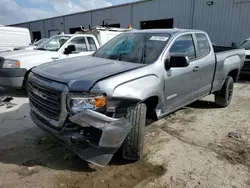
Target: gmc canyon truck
{"points": [[97, 104]]}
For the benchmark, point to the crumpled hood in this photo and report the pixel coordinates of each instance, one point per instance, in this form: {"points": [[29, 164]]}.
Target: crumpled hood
{"points": [[17, 55], [81, 73]]}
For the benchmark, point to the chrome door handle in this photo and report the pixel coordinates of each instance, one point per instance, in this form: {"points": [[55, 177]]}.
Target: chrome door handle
{"points": [[196, 68]]}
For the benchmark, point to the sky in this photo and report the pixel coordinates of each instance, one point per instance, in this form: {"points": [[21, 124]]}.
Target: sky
{"points": [[17, 11]]}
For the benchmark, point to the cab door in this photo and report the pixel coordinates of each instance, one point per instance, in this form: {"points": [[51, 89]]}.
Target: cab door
{"points": [[207, 63], [182, 84], [80, 48]]}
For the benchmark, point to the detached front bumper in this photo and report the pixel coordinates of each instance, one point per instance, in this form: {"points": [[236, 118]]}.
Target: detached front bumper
{"points": [[12, 77], [97, 147]]}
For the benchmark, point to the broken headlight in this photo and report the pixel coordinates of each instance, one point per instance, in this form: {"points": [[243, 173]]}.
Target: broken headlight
{"points": [[78, 103]]}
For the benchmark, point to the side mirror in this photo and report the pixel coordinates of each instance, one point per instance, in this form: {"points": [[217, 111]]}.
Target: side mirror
{"points": [[176, 62], [71, 48]]}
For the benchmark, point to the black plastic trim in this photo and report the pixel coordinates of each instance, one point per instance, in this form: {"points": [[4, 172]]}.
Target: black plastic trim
{"points": [[12, 72]]}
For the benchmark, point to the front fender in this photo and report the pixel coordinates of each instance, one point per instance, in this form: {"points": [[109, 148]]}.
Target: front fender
{"points": [[140, 88]]}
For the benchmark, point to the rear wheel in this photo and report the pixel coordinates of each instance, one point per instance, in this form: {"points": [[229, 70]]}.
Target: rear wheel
{"points": [[224, 97], [132, 148]]}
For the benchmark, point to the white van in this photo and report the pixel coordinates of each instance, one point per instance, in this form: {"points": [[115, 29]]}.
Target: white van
{"points": [[12, 37]]}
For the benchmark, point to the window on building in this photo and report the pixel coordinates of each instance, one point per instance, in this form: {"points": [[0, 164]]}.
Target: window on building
{"points": [[75, 29], [184, 45], [203, 45], [36, 35], [158, 24], [92, 45], [80, 44], [113, 25]]}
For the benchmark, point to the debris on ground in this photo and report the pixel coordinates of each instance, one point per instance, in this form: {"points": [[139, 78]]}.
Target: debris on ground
{"points": [[5, 100], [234, 135]]}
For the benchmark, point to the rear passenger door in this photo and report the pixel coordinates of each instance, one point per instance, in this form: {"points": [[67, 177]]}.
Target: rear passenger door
{"points": [[206, 59], [182, 84]]}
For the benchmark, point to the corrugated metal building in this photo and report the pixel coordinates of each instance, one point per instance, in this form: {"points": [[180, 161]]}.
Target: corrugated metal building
{"points": [[226, 21]]}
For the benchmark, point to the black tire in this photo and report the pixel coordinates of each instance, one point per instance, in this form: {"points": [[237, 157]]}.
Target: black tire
{"points": [[25, 87], [132, 148], [224, 97], [26, 83]]}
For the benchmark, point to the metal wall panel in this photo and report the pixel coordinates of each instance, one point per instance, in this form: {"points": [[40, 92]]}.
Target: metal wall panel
{"points": [[25, 25], [76, 20], [226, 21], [37, 26], [54, 24], [115, 15], [180, 10]]}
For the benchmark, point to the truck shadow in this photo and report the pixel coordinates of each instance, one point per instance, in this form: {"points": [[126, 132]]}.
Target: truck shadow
{"points": [[244, 79], [30, 151], [202, 104], [28, 146], [24, 144]]}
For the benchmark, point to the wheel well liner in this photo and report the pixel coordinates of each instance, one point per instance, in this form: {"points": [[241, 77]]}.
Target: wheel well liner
{"points": [[151, 103], [234, 74]]}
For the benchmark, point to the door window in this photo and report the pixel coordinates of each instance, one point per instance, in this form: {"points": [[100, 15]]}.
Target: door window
{"points": [[80, 44], [92, 45], [184, 46], [203, 45]]}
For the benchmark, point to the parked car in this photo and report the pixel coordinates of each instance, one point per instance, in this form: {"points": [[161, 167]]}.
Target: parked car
{"points": [[32, 46], [97, 104], [16, 65], [246, 46], [13, 37]]}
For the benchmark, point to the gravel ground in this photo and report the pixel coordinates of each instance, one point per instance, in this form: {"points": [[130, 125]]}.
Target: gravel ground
{"points": [[189, 148]]}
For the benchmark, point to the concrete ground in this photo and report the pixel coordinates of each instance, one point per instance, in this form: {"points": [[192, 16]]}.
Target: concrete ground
{"points": [[189, 148]]}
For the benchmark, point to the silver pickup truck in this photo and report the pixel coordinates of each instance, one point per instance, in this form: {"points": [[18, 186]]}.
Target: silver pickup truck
{"points": [[97, 104]]}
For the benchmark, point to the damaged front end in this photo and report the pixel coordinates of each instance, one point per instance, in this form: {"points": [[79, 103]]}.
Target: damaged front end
{"points": [[93, 136]]}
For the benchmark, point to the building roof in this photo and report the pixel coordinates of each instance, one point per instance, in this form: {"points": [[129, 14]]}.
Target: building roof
{"points": [[92, 10]]}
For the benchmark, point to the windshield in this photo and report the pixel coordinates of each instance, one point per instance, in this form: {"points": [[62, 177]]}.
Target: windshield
{"points": [[53, 44], [40, 41], [134, 47], [245, 44]]}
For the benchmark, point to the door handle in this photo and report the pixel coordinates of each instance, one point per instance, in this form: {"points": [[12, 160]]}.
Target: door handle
{"points": [[55, 58], [196, 68]]}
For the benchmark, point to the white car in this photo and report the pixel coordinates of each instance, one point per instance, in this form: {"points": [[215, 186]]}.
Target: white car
{"points": [[246, 46], [16, 65]]}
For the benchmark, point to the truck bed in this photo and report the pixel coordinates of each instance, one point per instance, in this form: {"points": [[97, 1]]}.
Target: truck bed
{"points": [[222, 48], [226, 57]]}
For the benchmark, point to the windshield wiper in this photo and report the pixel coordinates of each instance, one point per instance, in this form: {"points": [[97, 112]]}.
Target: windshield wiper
{"points": [[41, 49], [120, 50]]}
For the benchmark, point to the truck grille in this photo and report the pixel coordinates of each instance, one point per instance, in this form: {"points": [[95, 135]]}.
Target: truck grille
{"points": [[248, 57], [47, 101]]}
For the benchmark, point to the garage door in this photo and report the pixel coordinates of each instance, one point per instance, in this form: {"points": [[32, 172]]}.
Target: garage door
{"points": [[53, 32]]}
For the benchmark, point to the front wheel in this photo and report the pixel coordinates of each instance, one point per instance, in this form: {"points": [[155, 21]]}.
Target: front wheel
{"points": [[224, 97], [132, 148]]}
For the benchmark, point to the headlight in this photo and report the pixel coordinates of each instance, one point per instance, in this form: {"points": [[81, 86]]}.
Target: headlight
{"points": [[78, 103], [9, 63]]}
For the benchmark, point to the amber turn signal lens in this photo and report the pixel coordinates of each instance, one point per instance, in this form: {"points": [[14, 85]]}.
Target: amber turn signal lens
{"points": [[100, 102], [18, 63]]}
